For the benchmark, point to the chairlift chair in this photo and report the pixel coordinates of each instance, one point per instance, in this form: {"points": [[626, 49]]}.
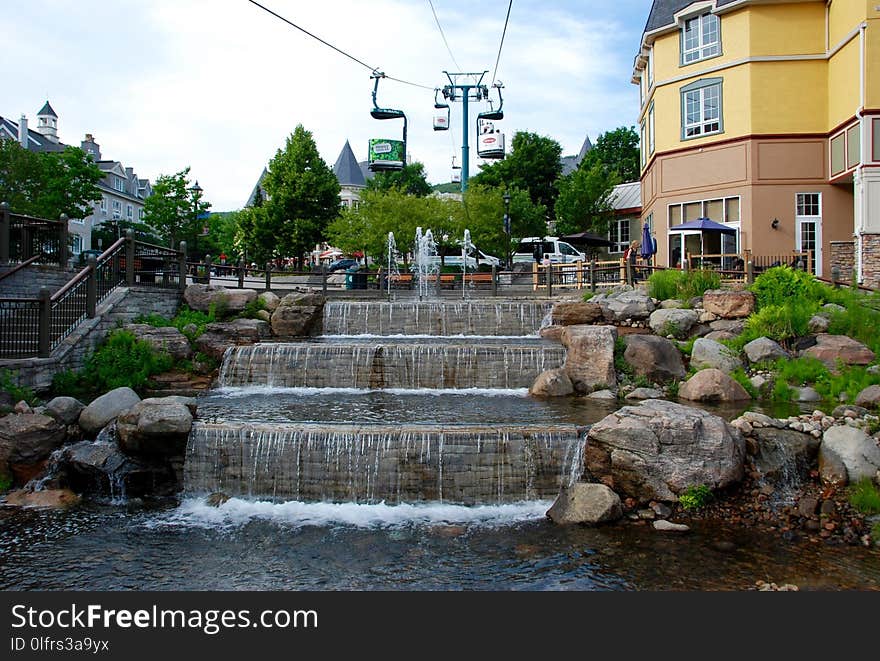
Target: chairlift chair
{"points": [[441, 114], [386, 154]]}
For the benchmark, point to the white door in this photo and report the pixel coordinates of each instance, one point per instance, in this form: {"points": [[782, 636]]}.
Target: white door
{"points": [[808, 227]]}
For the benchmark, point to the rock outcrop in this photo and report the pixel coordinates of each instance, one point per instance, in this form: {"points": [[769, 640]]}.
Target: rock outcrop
{"points": [[573, 314], [221, 335], [106, 408], [654, 358], [712, 385], [202, 297], [848, 454], [552, 383], [589, 360], [298, 315], [585, 503], [711, 354], [728, 303], [831, 349], [672, 321], [166, 338], [764, 350], [156, 426]]}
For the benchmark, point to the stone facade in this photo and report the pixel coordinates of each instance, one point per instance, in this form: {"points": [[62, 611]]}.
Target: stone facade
{"points": [[871, 260], [843, 256]]}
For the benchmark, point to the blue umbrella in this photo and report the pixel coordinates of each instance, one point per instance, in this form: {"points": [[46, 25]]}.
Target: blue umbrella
{"points": [[649, 246]]}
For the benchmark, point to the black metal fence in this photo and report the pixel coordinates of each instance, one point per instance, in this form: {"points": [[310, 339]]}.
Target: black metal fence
{"points": [[23, 237]]}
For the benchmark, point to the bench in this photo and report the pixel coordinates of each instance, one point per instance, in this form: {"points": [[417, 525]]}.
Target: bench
{"points": [[401, 280], [480, 279]]}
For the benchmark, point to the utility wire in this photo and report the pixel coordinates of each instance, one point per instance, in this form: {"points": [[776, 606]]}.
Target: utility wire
{"points": [[442, 34], [498, 59], [338, 50]]}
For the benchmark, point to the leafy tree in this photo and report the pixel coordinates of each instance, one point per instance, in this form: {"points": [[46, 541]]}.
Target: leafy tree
{"points": [[50, 183], [482, 212], [174, 209], [618, 152], [303, 197], [254, 235], [533, 165], [411, 180], [222, 228], [584, 202]]}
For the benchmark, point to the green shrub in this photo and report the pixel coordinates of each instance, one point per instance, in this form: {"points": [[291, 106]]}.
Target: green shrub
{"points": [[123, 360], [781, 392], [695, 497], [8, 384], [5, 483], [858, 320], [801, 371], [782, 285], [778, 322], [153, 319], [184, 317], [663, 285], [620, 363], [687, 346], [672, 388], [251, 309], [865, 497], [739, 375], [697, 283]]}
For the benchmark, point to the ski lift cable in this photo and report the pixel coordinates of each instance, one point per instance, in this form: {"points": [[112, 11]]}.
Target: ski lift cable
{"points": [[503, 33], [327, 43], [442, 34]]}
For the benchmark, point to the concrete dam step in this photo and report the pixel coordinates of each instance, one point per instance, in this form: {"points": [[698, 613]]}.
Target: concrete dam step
{"points": [[489, 364], [440, 318], [373, 463]]}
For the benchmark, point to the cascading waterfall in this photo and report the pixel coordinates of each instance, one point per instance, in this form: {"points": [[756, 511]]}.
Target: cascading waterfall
{"points": [[425, 267], [465, 465]]}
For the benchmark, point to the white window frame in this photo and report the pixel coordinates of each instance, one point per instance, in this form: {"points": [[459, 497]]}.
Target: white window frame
{"points": [[650, 67], [129, 211], [700, 90], [651, 129], [77, 244], [703, 50], [615, 233], [103, 204], [801, 219]]}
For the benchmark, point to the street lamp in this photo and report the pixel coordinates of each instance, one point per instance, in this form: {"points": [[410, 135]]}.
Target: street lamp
{"points": [[196, 191], [506, 199]]}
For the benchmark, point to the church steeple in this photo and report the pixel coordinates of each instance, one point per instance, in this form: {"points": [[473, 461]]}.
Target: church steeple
{"points": [[47, 123]]}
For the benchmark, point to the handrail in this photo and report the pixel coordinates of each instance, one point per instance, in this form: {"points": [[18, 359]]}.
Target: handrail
{"points": [[22, 265], [39, 221], [79, 277], [153, 245], [18, 299], [106, 254]]}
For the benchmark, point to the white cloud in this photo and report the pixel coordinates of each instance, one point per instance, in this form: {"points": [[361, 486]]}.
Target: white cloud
{"points": [[219, 84]]}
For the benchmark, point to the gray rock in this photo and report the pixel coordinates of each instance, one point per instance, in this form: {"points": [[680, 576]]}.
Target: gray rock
{"points": [[833, 307], [662, 511], [807, 394], [735, 326], [264, 315], [654, 358], [667, 526], [65, 410], [784, 456], [873, 370], [764, 349], [22, 407], [645, 393], [758, 382], [729, 303], [202, 297], [673, 322], [671, 304], [603, 395], [585, 503], [589, 360], [106, 408], [219, 336], [627, 305], [849, 411], [270, 301], [717, 336], [708, 353], [166, 338], [298, 315], [574, 314], [28, 438], [657, 449], [851, 447], [154, 428], [190, 403], [552, 383], [712, 385], [761, 420], [807, 506], [818, 323], [869, 397]]}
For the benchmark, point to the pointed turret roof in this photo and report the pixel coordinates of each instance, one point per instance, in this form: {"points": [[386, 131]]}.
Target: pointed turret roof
{"points": [[347, 170], [47, 110]]}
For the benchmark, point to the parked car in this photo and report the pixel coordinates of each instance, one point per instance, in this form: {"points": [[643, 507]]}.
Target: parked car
{"points": [[342, 265], [535, 248]]}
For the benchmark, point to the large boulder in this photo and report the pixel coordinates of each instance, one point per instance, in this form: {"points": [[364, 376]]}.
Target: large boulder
{"points": [[764, 350], [658, 449], [552, 383], [101, 468], [572, 314], [729, 304], [869, 398], [298, 315], [221, 335], [155, 426], [712, 354], [833, 348], [202, 297], [850, 448], [25, 440], [585, 503], [65, 410], [269, 300], [672, 321], [626, 305], [735, 326], [589, 359], [45, 499], [106, 408], [655, 358], [166, 338], [712, 385]]}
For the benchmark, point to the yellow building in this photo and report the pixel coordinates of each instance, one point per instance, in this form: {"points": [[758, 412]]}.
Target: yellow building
{"points": [[764, 115]]}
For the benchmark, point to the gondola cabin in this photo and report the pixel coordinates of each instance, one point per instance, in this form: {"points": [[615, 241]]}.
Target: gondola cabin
{"points": [[441, 120], [385, 154], [490, 141]]}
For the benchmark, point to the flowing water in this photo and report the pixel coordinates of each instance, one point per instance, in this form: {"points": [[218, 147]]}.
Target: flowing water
{"points": [[398, 451]]}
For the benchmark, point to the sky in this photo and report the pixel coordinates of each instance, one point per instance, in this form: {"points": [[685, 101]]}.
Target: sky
{"points": [[218, 85]]}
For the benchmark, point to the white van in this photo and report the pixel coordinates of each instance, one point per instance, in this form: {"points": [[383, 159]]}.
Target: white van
{"points": [[535, 248]]}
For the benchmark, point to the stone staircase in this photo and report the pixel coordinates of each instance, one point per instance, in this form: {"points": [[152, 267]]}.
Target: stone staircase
{"points": [[27, 282]]}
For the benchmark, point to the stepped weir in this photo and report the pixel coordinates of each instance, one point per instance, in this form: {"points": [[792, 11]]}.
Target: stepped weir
{"points": [[256, 445]]}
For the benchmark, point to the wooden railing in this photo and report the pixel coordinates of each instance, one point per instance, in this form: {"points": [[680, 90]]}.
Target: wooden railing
{"points": [[36, 326]]}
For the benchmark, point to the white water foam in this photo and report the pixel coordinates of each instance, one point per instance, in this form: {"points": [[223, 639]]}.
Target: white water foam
{"points": [[236, 512], [328, 339], [244, 391]]}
